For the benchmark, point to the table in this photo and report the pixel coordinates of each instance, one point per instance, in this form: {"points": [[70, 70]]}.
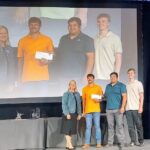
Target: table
{"points": [[55, 139], [22, 134], [45, 133]]}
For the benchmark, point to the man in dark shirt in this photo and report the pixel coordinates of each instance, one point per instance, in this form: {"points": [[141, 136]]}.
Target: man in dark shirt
{"points": [[76, 53]]}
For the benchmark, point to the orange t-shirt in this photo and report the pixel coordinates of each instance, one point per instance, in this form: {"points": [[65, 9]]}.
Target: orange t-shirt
{"points": [[89, 105], [27, 48]]}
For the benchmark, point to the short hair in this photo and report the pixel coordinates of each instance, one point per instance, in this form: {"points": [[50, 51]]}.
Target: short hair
{"points": [[105, 16], [91, 75], [114, 73], [35, 20], [76, 19], [131, 69]]}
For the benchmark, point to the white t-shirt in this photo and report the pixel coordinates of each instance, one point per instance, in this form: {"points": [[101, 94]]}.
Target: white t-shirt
{"points": [[105, 50], [133, 95]]}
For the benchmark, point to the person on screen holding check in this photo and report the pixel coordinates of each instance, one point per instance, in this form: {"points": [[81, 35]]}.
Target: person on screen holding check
{"points": [[33, 72], [91, 96]]}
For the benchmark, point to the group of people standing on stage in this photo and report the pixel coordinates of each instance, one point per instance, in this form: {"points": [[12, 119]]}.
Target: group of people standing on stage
{"points": [[77, 52], [120, 99], [80, 56]]}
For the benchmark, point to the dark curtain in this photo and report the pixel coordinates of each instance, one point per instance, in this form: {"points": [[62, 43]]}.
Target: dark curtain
{"points": [[146, 66]]}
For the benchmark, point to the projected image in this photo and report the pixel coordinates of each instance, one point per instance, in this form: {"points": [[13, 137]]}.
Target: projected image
{"points": [[42, 48]]}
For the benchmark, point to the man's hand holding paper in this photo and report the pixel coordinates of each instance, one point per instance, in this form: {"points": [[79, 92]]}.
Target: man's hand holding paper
{"points": [[43, 57], [96, 97]]}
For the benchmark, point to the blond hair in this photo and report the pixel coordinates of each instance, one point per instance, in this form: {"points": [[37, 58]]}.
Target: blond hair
{"points": [[131, 69], [104, 16], [6, 29], [75, 85]]}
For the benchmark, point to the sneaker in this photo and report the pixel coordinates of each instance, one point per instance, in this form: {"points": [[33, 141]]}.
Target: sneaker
{"points": [[85, 146], [98, 146], [71, 148], [121, 145], [132, 144], [141, 144], [127, 145], [109, 145]]}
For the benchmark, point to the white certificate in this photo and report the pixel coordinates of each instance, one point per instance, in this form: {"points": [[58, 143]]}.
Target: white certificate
{"points": [[96, 96], [43, 55]]}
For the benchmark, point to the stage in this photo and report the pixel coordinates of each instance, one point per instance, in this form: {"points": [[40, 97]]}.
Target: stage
{"points": [[145, 147], [44, 134]]}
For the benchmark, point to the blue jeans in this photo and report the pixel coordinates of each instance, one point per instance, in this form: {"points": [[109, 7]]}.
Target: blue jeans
{"points": [[96, 118]]}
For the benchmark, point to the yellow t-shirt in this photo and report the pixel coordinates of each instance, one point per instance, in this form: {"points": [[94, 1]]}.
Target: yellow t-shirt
{"points": [[89, 105], [27, 48]]}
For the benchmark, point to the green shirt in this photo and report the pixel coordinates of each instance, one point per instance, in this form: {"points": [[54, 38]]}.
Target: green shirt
{"points": [[52, 12]]}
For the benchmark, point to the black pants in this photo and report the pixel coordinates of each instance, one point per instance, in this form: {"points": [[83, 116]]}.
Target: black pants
{"points": [[134, 119]]}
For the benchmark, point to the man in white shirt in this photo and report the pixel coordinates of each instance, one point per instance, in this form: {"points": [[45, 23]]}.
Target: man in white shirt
{"points": [[108, 49], [134, 107]]}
